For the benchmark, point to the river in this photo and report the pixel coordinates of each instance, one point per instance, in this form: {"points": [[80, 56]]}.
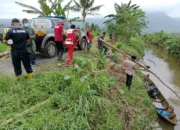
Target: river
{"points": [[167, 67]]}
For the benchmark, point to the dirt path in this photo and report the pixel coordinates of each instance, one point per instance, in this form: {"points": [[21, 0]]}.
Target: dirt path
{"points": [[7, 67]]}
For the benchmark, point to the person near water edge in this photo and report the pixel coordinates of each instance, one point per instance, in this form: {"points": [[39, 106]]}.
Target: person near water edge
{"points": [[71, 42], [102, 48], [58, 32], [129, 66], [18, 38], [89, 39], [31, 48]]}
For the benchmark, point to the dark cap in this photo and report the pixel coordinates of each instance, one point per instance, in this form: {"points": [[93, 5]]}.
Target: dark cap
{"points": [[72, 26], [133, 57], [15, 20]]}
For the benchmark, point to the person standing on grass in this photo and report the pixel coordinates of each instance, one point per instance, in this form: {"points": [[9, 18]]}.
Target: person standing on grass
{"points": [[89, 39], [18, 38], [129, 66], [31, 48], [71, 43], [58, 32], [102, 48]]}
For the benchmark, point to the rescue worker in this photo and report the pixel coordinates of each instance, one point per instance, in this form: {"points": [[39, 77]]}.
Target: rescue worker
{"points": [[71, 43], [102, 48], [58, 32], [89, 39], [18, 38], [32, 47]]}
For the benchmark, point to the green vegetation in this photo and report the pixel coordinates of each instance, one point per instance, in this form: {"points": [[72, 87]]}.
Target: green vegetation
{"points": [[128, 21], [86, 8], [3, 47], [170, 43], [134, 47], [54, 8], [79, 97]]}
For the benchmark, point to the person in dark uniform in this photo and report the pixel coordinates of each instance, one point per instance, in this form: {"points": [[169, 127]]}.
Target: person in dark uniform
{"points": [[18, 38]]}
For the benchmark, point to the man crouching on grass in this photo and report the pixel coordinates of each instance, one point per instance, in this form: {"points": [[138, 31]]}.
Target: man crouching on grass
{"points": [[129, 66]]}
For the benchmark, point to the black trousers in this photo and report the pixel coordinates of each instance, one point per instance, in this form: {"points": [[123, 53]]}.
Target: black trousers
{"points": [[129, 80], [60, 48], [17, 57]]}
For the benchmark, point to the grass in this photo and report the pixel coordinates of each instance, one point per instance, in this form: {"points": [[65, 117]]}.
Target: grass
{"points": [[4, 47], [78, 98]]}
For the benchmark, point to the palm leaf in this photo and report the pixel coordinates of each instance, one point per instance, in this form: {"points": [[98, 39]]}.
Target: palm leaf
{"points": [[83, 3], [77, 4], [29, 7], [67, 6], [89, 4], [128, 5], [96, 8], [110, 16]]}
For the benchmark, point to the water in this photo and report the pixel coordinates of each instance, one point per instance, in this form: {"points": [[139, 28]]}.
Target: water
{"points": [[166, 67]]}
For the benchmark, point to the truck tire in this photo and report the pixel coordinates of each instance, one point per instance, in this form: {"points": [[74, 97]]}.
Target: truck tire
{"points": [[50, 49], [82, 44]]}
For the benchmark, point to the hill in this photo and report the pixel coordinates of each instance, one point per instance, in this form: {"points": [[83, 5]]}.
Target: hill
{"points": [[157, 21]]}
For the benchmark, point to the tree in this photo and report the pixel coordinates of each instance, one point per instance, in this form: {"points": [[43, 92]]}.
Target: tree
{"points": [[128, 21], [86, 8], [45, 10]]}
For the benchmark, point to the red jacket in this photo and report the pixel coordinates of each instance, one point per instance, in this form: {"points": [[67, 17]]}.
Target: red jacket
{"points": [[58, 32], [89, 35], [71, 37]]}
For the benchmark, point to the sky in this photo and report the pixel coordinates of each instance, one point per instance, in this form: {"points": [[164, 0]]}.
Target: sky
{"points": [[8, 8]]}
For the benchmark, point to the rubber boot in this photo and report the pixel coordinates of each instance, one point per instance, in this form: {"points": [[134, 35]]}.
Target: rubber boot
{"points": [[19, 78], [29, 76]]}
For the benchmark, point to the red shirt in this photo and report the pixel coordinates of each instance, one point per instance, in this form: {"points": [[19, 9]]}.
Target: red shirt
{"points": [[89, 35], [58, 32], [71, 37]]}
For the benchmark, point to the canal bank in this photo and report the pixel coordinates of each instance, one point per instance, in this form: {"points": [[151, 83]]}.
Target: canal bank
{"points": [[167, 68]]}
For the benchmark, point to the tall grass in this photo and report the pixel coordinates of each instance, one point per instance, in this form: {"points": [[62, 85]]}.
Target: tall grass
{"points": [[170, 43], [78, 98], [134, 47]]}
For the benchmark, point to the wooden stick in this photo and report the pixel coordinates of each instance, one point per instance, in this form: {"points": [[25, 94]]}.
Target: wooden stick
{"points": [[141, 65]]}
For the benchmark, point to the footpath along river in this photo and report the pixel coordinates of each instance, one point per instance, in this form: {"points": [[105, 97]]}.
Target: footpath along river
{"points": [[167, 67]]}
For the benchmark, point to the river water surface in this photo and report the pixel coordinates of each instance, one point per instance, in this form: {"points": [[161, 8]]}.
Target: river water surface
{"points": [[166, 67]]}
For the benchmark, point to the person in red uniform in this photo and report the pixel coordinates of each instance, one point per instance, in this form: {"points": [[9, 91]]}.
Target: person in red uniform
{"points": [[71, 43], [89, 39], [58, 32]]}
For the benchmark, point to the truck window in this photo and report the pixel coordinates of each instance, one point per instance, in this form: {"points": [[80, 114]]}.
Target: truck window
{"points": [[41, 23]]}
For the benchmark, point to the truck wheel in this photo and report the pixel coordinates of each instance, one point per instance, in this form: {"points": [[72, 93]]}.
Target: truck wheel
{"points": [[82, 44], [50, 49]]}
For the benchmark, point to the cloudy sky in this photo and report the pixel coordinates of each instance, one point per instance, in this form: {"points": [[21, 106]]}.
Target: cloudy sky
{"points": [[8, 8]]}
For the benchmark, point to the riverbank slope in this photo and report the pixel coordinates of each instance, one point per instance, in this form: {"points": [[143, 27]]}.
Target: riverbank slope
{"points": [[89, 95]]}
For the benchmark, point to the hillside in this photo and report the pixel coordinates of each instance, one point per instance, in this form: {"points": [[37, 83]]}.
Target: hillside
{"points": [[157, 21]]}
